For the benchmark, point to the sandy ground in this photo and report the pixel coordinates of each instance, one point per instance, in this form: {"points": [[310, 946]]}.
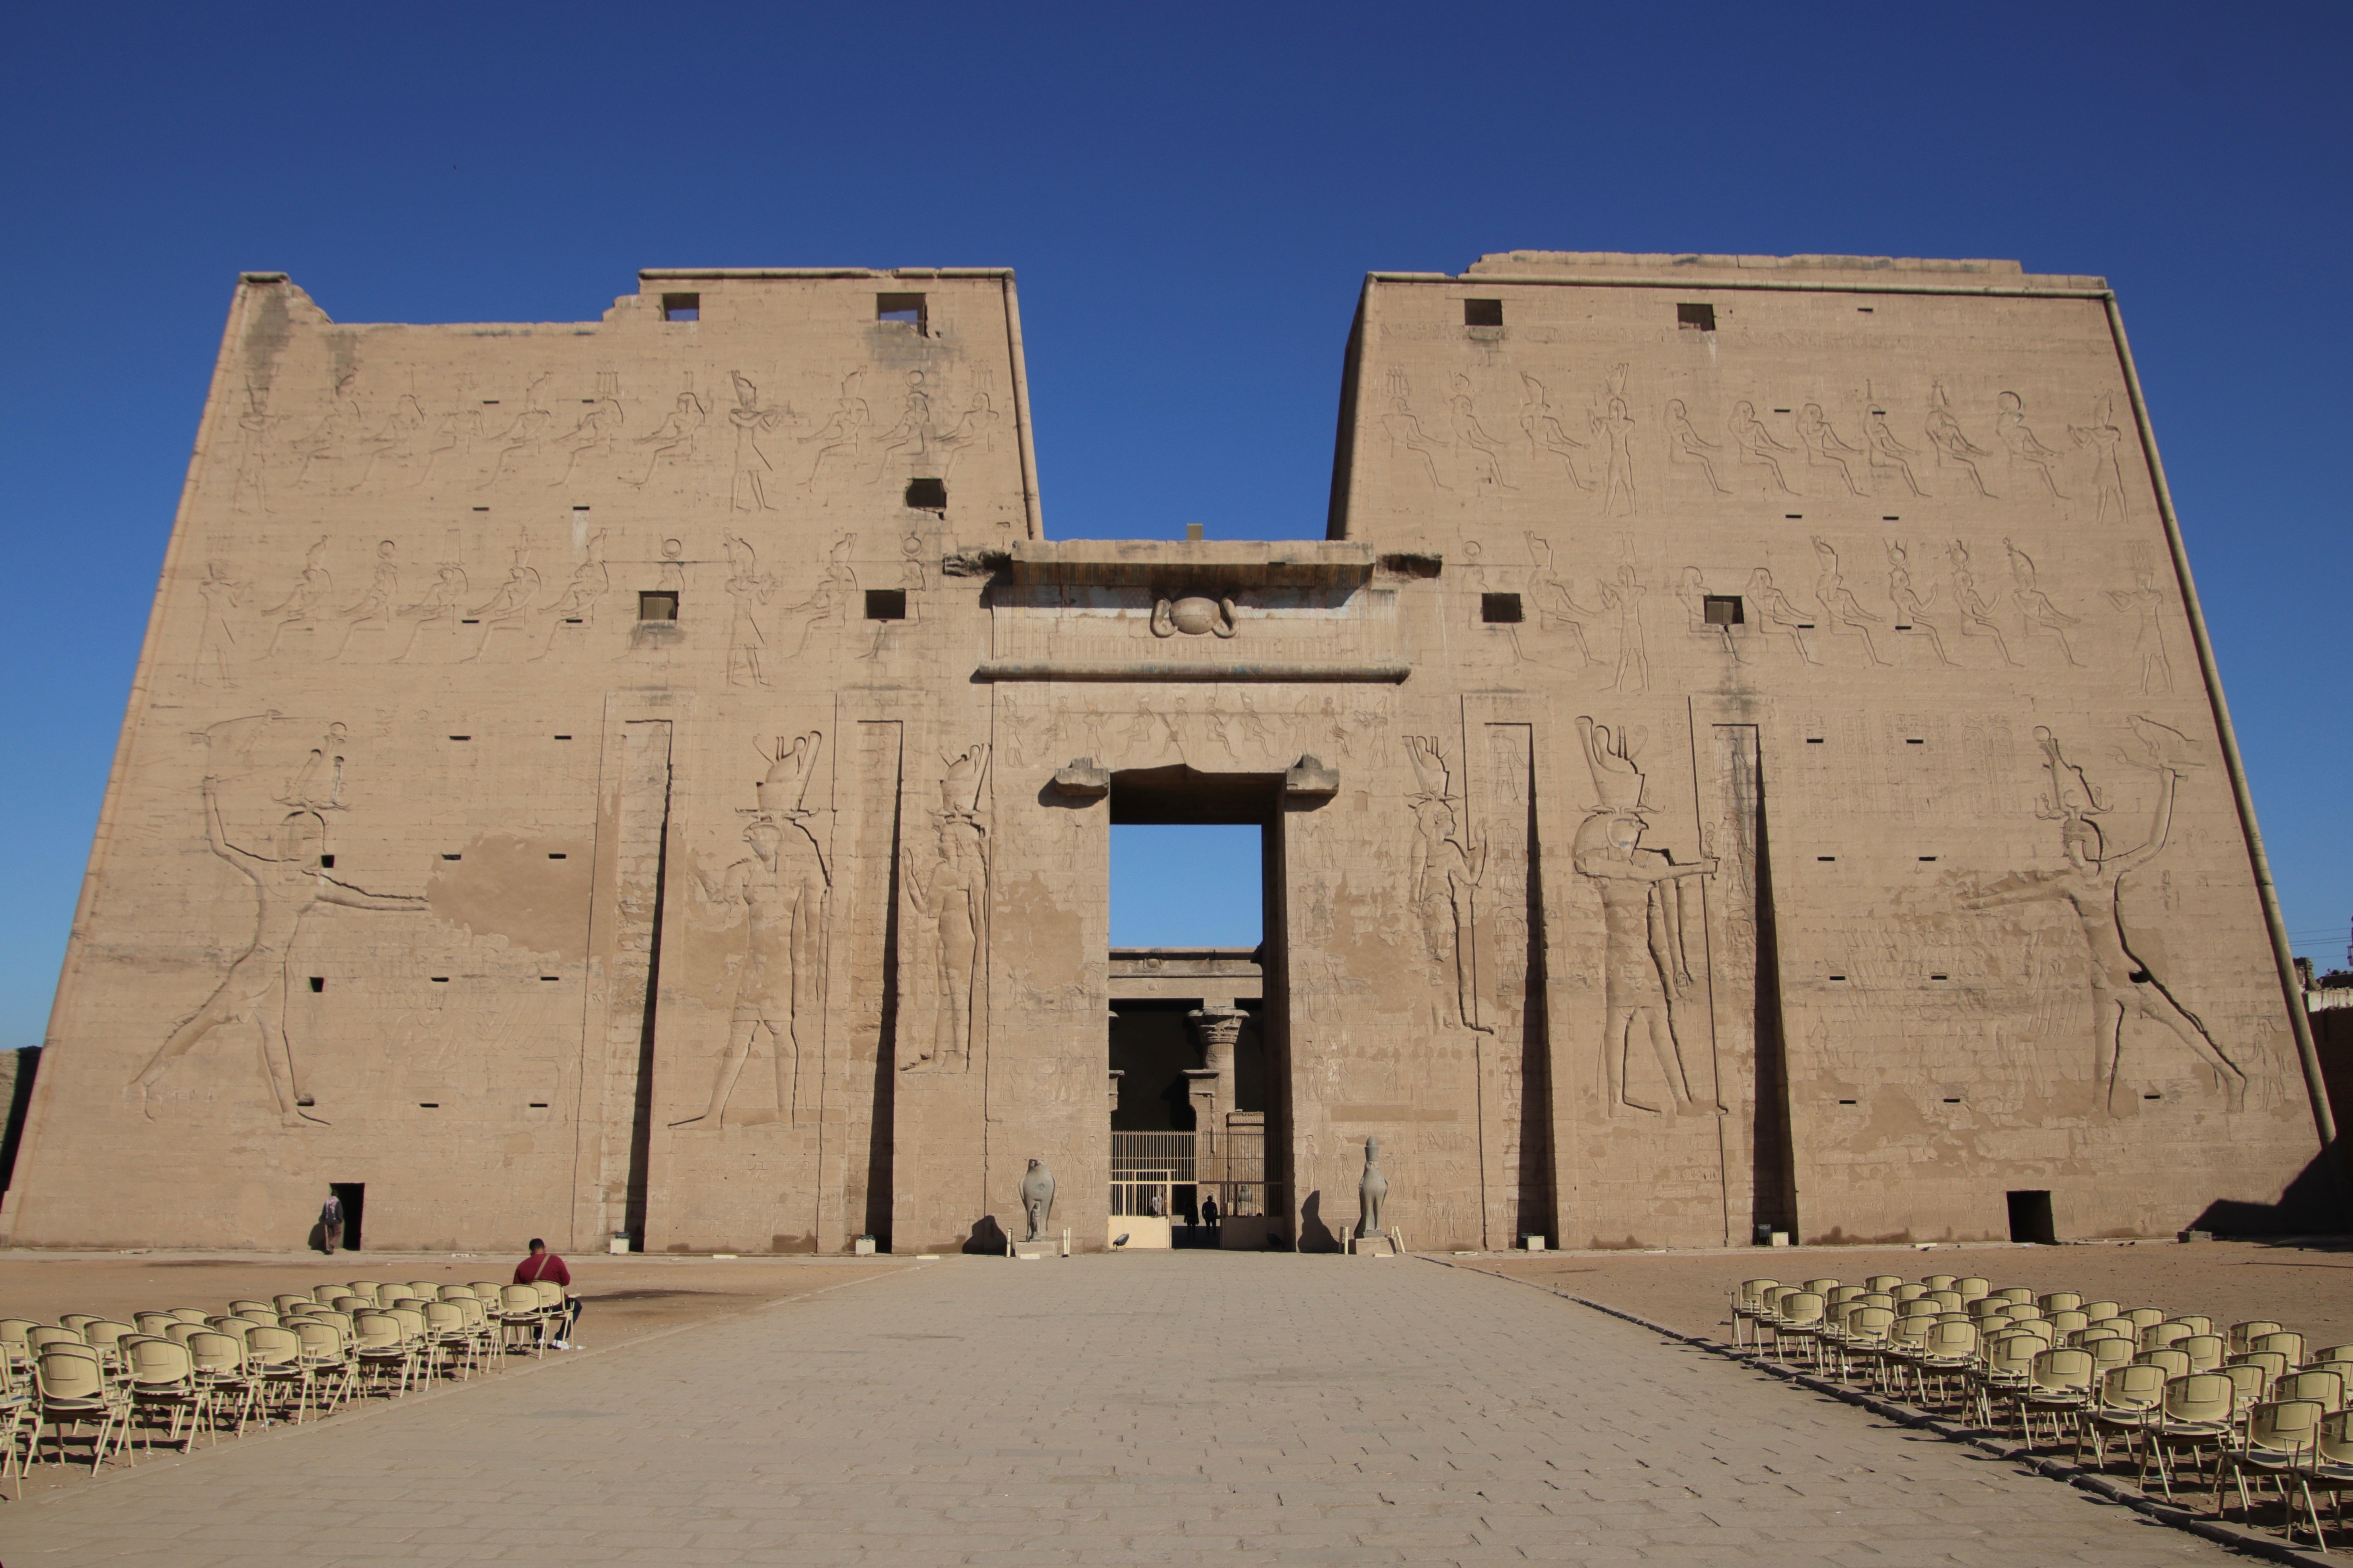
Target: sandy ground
{"points": [[2308, 1286], [625, 1296]]}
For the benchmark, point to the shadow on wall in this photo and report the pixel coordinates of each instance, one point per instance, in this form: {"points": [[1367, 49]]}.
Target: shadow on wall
{"points": [[1314, 1235], [2320, 1199], [987, 1239]]}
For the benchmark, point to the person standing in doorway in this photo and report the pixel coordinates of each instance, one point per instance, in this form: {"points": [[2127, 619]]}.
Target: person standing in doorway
{"points": [[544, 1265], [330, 1224], [1209, 1212]]}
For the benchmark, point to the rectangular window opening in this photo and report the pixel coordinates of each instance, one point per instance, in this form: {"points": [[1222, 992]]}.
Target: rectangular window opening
{"points": [[681, 307], [453, 857], [1926, 858], [1952, 1099], [927, 495], [439, 979], [563, 737], [903, 310], [1695, 317], [548, 977], [1865, 309], [556, 856], [539, 1105], [326, 862], [886, 604], [1483, 312], [428, 1105], [318, 983], [1846, 1102], [1826, 857], [661, 605], [1940, 977], [1837, 977], [1500, 609], [1912, 741], [1813, 739], [461, 737], [2152, 1096], [1722, 610]]}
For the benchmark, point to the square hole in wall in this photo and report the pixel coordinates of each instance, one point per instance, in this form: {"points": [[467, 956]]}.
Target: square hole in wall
{"points": [[1695, 317], [886, 604], [1500, 609], [1483, 312], [318, 983], [902, 311], [326, 862], [681, 307], [927, 495], [659, 605], [1722, 609]]}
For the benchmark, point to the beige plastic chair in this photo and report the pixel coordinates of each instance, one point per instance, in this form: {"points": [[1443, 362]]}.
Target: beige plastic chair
{"points": [[243, 1307], [2058, 1385], [219, 1364], [2175, 1362], [325, 1294], [2002, 1370], [1947, 1300], [274, 1356], [1822, 1288], [1800, 1322], [383, 1350], [2066, 1320], [42, 1336], [2282, 1437], [2250, 1384], [162, 1380], [1972, 1286], [1948, 1352], [2096, 1310], [1985, 1307], [2014, 1293], [2106, 1354], [2290, 1345], [192, 1314], [326, 1356], [2195, 1416], [367, 1287], [1937, 1282], [1880, 1284], [2022, 1312], [2142, 1317], [2273, 1365], [2059, 1301], [481, 1331], [2204, 1351], [2330, 1468], [2126, 1406], [73, 1392], [1839, 1295], [1864, 1339], [1748, 1303], [2197, 1322], [2157, 1336], [2242, 1334], [2319, 1358], [2121, 1325], [519, 1309], [425, 1290], [1904, 1294], [2324, 1388], [75, 1320], [158, 1324]]}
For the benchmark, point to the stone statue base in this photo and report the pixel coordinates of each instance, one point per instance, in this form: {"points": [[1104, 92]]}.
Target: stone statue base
{"points": [[1371, 1246]]}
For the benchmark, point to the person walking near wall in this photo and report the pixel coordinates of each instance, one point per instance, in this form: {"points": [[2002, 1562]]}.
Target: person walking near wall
{"points": [[544, 1265], [330, 1224]]}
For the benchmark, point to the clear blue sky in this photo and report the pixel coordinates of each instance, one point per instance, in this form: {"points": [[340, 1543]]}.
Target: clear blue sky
{"points": [[1191, 195]]}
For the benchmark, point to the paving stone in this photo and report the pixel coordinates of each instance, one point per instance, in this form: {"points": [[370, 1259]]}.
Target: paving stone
{"points": [[1186, 1408]]}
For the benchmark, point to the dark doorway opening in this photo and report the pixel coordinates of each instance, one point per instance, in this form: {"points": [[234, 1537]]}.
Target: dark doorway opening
{"points": [[2030, 1219], [352, 1196]]}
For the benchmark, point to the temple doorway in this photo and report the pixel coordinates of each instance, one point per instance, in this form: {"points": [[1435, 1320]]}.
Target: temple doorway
{"points": [[1195, 1026]]}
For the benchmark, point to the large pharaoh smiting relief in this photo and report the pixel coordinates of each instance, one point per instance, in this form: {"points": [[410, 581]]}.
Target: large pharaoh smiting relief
{"points": [[1646, 977], [2124, 985]]}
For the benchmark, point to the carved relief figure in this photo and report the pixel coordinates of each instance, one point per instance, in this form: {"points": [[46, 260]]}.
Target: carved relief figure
{"points": [[829, 605], [2145, 605], [1756, 444], [1405, 432], [953, 897], [673, 439], [1625, 596], [396, 440], [1953, 445], [1685, 446], [323, 449], [2011, 424], [598, 428], [843, 429], [1839, 603], [1645, 973], [780, 990], [1911, 604], [749, 589], [318, 783], [1617, 426], [287, 886], [1485, 455], [1977, 610], [748, 487], [1194, 616], [1693, 591], [1555, 609], [1823, 448], [2035, 605], [451, 446], [1887, 452], [506, 608], [1447, 867], [911, 435], [791, 766], [217, 643], [590, 581], [302, 607], [2105, 439], [374, 607], [2123, 987], [440, 607], [1544, 431], [977, 430], [520, 442], [1777, 609], [250, 492]]}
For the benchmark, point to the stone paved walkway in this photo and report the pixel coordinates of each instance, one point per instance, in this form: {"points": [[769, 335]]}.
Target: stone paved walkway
{"points": [[1170, 1408]]}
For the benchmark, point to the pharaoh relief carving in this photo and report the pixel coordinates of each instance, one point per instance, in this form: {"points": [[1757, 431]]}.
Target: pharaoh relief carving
{"points": [[2124, 988], [1448, 866], [289, 880], [781, 887], [1646, 977], [950, 898], [748, 591], [1195, 615]]}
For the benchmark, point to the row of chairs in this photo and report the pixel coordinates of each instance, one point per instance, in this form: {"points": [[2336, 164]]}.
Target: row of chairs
{"points": [[2252, 1396], [184, 1371]]}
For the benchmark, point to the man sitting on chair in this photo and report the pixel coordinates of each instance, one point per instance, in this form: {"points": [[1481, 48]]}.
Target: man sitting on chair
{"points": [[544, 1265]]}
